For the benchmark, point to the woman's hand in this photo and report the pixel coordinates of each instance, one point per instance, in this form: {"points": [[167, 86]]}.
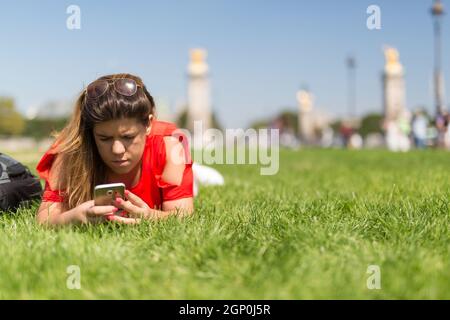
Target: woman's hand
{"points": [[136, 208], [88, 212]]}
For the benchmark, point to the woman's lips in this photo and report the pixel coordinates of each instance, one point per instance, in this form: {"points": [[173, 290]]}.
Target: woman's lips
{"points": [[121, 163]]}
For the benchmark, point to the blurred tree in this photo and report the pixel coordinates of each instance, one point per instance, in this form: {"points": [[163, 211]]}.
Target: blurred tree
{"points": [[11, 121], [215, 122], [259, 124], [181, 121], [287, 118], [371, 123], [39, 128], [336, 125]]}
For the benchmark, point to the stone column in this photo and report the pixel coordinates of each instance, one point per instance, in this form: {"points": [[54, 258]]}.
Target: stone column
{"points": [[305, 116], [437, 12], [199, 96], [393, 86]]}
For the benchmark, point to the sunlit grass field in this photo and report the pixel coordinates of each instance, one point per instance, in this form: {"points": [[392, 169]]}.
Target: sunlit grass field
{"points": [[308, 232]]}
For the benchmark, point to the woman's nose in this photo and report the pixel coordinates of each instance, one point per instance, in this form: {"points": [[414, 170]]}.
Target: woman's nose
{"points": [[118, 147]]}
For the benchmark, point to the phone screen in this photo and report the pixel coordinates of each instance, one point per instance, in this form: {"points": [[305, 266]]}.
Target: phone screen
{"points": [[104, 195]]}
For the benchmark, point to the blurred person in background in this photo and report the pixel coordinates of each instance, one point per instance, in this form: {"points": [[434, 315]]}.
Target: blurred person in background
{"points": [[419, 129], [441, 127], [447, 133]]}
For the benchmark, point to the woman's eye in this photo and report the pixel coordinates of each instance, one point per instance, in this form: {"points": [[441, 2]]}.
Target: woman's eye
{"points": [[124, 137]]}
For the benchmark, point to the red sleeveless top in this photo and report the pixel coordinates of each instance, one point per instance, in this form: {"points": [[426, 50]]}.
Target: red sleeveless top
{"points": [[151, 187]]}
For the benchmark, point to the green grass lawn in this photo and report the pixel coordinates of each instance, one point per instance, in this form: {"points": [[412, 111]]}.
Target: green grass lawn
{"points": [[309, 232]]}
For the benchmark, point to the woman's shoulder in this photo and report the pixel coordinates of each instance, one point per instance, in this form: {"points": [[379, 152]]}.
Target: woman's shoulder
{"points": [[164, 136], [175, 161], [169, 151]]}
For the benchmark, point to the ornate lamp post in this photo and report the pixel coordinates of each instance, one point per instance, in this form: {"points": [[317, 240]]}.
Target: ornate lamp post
{"points": [[437, 11], [351, 83]]}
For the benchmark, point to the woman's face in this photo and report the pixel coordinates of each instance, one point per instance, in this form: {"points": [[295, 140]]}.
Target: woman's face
{"points": [[121, 143]]}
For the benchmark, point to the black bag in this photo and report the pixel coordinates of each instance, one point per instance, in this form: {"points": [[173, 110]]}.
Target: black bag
{"points": [[17, 184]]}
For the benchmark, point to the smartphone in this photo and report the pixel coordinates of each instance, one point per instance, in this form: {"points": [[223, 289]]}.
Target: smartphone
{"points": [[105, 194]]}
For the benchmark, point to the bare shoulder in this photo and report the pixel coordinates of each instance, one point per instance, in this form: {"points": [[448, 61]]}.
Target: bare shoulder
{"points": [[175, 161], [174, 151]]}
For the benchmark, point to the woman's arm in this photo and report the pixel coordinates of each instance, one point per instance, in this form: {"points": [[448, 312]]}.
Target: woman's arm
{"points": [[51, 213], [181, 207], [173, 174], [175, 161]]}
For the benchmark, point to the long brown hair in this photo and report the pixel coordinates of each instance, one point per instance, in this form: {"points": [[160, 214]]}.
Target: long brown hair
{"points": [[81, 166]]}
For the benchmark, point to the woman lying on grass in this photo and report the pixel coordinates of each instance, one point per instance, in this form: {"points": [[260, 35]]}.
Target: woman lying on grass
{"points": [[113, 137]]}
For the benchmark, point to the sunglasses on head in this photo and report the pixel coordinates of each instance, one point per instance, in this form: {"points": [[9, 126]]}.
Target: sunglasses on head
{"points": [[124, 86]]}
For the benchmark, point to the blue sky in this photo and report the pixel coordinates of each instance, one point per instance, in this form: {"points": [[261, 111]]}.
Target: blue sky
{"points": [[260, 52]]}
